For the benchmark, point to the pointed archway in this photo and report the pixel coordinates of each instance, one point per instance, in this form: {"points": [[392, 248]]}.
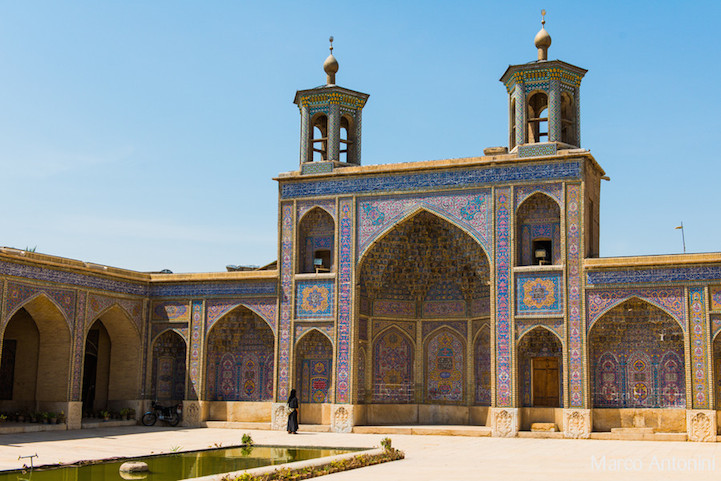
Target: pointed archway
{"points": [[113, 353], [423, 288], [240, 361], [36, 357], [313, 375], [636, 354], [168, 375]]}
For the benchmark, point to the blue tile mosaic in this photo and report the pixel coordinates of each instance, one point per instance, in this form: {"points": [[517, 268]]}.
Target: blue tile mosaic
{"points": [[672, 274], [72, 278], [198, 290], [449, 178]]}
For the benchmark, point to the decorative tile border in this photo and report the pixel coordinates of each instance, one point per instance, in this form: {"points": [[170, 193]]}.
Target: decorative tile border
{"points": [[72, 278], [304, 206], [98, 303], [664, 274], [214, 289], [504, 396], [345, 300], [459, 326], [314, 299], [392, 308], [554, 191], [538, 293], [715, 295], [469, 210], [327, 328], [78, 348], [671, 300], [264, 307], [443, 309], [171, 311], [409, 327], [18, 294], [537, 150], [196, 343], [286, 300], [428, 180], [575, 302], [699, 351]]}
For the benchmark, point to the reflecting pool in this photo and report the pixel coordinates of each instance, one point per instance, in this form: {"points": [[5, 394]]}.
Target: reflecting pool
{"points": [[175, 466]]}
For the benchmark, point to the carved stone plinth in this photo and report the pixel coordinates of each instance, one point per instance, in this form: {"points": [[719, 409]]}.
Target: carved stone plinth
{"points": [[505, 422], [577, 423], [341, 419], [192, 413], [701, 425], [279, 417]]}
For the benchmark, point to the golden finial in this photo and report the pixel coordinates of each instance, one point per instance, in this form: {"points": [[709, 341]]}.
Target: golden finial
{"points": [[330, 65], [542, 40]]}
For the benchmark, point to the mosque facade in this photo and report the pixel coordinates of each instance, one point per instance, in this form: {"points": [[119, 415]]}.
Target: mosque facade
{"points": [[462, 291]]}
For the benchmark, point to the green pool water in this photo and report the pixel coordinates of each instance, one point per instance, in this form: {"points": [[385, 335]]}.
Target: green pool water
{"points": [[172, 467]]}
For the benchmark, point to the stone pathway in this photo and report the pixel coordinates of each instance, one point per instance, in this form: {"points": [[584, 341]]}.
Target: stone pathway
{"points": [[431, 458]]}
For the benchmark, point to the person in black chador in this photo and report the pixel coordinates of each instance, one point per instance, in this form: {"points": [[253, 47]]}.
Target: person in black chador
{"points": [[293, 416]]}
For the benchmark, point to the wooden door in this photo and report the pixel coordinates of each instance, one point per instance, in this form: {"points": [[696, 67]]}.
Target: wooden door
{"points": [[545, 381]]}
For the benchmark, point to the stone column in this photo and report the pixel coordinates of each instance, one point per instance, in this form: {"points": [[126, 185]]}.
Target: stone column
{"points": [[520, 113], [305, 151], [334, 131], [554, 110]]}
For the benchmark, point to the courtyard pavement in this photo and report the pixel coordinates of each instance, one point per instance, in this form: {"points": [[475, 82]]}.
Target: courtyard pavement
{"points": [[432, 458]]}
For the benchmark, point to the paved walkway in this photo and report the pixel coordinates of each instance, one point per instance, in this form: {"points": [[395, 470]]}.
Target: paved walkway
{"points": [[432, 458]]}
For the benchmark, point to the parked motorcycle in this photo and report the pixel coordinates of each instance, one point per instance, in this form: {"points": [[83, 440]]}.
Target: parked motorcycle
{"points": [[170, 414]]}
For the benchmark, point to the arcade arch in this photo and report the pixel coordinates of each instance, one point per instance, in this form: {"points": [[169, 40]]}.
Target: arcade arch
{"points": [[35, 365], [168, 374], [636, 354], [240, 358], [113, 353]]}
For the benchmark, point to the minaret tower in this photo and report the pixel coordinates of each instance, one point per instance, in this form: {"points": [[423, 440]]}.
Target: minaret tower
{"points": [[330, 123], [544, 99]]}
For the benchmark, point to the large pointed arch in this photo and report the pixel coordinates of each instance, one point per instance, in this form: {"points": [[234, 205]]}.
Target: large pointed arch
{"points": [[636, 358], [239, 358], [112, 364], [314, 367], [36, 358]]}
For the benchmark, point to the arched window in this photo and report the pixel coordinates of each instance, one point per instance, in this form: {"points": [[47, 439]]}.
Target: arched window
{"points": [[537, 117], [568, 119], [316, 242], [319, 138], [538, 235], [347, 140]]}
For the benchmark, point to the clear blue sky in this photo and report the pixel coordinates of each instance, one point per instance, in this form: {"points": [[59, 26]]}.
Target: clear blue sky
{"points": [[145, 135]]}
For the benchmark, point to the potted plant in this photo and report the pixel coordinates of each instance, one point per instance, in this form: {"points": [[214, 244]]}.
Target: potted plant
{"points": [[43, 417], [61, 417], [105, 415], [52, 417], [127, 413], [20, 416]]}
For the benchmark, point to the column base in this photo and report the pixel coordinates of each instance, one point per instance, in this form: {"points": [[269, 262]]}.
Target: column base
{"points": [[701, 425], [279, 417], [577, 423], [505, 422], [341, 418], [194, 413]]}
